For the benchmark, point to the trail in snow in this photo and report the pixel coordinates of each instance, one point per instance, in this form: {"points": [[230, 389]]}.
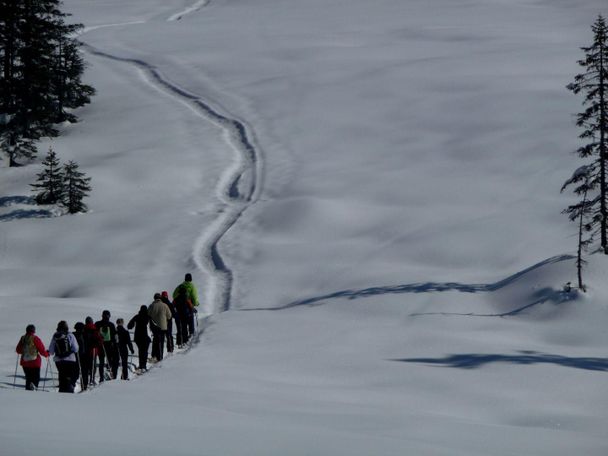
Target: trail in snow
{"points": [[191, 9], [249, 165], [119, 24]]}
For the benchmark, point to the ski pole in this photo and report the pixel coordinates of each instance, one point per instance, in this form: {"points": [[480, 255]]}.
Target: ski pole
{"points": [[107, 366], [92, 379], [80, 371], [15, 376], [45, 373], [52, 373]]}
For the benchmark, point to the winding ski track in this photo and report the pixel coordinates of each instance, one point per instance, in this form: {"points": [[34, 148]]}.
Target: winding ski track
{"points": [[239, 137], [189, 10]]}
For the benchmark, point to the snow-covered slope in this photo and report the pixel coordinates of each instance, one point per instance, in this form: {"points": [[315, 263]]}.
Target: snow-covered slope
{"points": [[373, 190]]}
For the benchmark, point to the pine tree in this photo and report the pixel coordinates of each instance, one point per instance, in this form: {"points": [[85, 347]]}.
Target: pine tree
{"points": [[40, 22], [582, 213], [9, 42], [593, 83], [76, 187], [41, 71], [50, 181], [68, 88]]}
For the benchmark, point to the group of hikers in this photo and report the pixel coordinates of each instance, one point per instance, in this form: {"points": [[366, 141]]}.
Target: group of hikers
{"points": [[103, 346]]}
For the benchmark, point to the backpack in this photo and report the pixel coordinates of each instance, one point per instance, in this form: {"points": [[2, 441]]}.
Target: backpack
{"points": [[181, 302], [29, 352], [106, 334], [62, 345]]}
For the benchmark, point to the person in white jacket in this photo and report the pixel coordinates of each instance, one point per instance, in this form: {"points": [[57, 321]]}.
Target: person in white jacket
{"points": [[64, 347]]}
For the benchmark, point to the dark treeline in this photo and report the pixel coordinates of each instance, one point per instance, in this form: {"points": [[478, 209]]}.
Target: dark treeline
{"points": [[40, 80]]}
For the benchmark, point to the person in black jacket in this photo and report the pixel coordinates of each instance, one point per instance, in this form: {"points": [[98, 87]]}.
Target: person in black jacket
{"points": [[110, 350], [141, 338], [169, 335], [183, 309], [124, 346], [82, 360]]}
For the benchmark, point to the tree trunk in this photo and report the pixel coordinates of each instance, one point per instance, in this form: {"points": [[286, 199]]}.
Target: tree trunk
{"points": [[603, 138], [579, 256]]}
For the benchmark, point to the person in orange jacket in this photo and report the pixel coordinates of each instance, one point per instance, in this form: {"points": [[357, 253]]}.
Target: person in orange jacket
{"points": [[30, 347]]}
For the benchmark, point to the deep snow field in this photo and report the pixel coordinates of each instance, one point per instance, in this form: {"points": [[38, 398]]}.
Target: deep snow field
{"points": [[367, 194]]}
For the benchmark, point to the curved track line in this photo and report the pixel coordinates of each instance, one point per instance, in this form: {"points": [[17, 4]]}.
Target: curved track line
{"points": [[191, 9], [118, 24], [236, 199]]}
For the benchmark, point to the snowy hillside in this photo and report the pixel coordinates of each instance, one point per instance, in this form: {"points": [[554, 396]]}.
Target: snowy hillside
{"points": [[367, 194]]}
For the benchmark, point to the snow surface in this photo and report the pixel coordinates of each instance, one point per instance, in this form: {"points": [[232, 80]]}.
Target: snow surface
{"points": [[372, 191]]}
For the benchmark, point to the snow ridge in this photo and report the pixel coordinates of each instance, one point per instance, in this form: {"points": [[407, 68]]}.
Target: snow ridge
{"points": [[440, 287]]}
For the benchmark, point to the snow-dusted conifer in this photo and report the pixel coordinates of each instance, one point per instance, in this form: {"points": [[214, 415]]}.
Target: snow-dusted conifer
{"points": [[592, 181], [76, 188], [582, 213], [49, 183], [69, 90]]}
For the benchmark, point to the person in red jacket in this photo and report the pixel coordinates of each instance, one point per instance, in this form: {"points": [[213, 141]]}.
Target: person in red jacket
{"points": [[30, 347], [93, 344]]}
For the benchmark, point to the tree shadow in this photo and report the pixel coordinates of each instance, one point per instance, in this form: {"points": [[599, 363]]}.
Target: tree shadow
{"points": [[540, 297], [6, 201], [25, 214], [525, 357], [422, 287]]}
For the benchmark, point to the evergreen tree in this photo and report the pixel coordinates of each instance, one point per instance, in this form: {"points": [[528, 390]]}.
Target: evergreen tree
{"points": [[582, 213], [592, 180], [68, 88], [50, 181], [40, 22], [41, 71], [76, 188], [9, 42]]}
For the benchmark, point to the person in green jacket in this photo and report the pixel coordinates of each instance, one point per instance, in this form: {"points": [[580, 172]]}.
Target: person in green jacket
{"points": [[186, 295]]}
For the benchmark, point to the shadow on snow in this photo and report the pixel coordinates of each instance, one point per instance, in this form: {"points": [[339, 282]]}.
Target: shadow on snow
{"points": [[438, 287], [6, 201], [25, 214], [540, 297], [16, 384], [476, 360]]}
